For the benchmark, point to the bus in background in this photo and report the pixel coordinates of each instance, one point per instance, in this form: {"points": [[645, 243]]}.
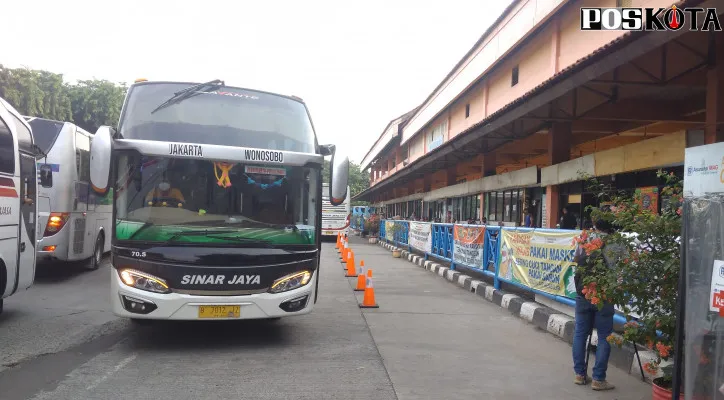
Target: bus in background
{"points": [[334, 218], [77, 223], [217, 202], [18, 205]]}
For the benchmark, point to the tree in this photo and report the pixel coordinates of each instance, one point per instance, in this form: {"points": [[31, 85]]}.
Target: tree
{"points": [[358, 180], [96, 102], [35, 93], [88, 104]]}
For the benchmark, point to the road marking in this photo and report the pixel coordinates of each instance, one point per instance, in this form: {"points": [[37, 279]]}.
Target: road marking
{"points": [[115, 369]]}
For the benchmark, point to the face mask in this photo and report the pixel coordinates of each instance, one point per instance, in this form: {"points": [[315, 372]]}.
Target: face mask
{"points": [[164, 186]]}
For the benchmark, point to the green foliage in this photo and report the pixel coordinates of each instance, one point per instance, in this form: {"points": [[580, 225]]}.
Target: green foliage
{"points": [[358, 180], [96, 102], [88, 104], [644, 276]]}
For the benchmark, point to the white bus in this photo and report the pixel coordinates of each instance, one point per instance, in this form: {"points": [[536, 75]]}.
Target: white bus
{"points": [[18, 205], [217, 202], [334, 218], [77, 223]]}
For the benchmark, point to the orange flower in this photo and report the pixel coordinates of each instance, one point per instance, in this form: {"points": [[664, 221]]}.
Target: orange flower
{"points": [[611, 339], [650, 368], [649, 344], [678, 211], [663, 349], [594, 301]]}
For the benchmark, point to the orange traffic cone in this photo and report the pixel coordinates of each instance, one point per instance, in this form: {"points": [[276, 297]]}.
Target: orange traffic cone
{"points": [[368, 300], [351, 272], [345, 253], [337, 245], [361, 278]]}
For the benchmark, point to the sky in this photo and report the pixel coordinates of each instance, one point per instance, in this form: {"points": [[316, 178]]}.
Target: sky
{"points": [[357, 65]]}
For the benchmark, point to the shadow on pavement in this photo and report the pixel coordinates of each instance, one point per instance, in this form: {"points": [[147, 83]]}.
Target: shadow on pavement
{"points": [[49, 272], [197, 335], [8, 314]]}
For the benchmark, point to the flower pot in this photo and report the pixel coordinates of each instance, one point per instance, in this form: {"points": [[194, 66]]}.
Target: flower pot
{"points": [[372, 240], [662, 393], [396, 253]]}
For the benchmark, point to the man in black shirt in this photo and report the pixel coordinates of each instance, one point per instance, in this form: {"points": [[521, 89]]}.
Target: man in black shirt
{"points": [[568, 220]]}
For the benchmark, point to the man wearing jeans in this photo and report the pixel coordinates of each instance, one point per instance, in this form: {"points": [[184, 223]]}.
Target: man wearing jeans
{"points": [[588, 316]]}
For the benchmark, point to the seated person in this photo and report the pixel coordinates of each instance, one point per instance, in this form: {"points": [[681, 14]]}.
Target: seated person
{"points": [[164, 193]]}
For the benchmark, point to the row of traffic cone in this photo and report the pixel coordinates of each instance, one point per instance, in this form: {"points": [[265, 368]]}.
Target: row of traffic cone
{"points": [[364, 280]]}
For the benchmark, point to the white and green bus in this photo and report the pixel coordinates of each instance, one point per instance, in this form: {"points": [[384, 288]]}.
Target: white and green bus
{"points": [[217, 202]]}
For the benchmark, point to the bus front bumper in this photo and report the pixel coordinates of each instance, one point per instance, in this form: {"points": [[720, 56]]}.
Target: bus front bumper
{"points": [[178, 306]]}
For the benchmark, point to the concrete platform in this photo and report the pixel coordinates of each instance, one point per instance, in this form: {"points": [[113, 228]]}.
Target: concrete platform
{"points": [[440, 341]]}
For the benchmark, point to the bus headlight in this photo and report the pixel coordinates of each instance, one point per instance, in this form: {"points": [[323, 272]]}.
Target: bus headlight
{"points": [[141, 280], [291, 281]]}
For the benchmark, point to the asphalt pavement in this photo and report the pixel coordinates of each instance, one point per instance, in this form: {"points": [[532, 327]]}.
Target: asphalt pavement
{"points": [[428, 340]]}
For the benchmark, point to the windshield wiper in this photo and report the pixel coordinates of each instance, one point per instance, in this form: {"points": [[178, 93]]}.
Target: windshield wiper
{"points": [[214, 233], [143, 227], [190, 91]]}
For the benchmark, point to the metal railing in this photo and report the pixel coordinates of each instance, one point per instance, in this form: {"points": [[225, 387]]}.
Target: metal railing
{"points": [[442, 237]]}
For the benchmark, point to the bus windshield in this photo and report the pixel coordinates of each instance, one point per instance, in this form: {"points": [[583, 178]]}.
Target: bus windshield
{"points": [[223, 115], [185, 201], [45, 132]]}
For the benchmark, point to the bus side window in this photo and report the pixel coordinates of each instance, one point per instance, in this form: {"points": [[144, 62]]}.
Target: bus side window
{"points": [[82, 156], [7, 150]]}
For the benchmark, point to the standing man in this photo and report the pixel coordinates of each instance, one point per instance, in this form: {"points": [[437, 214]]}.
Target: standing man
{"points": [[568, 220], [589, 316], [528, 222]]}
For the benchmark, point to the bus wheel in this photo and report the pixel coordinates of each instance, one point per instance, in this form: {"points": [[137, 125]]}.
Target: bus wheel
{"points": [[97, 257]]}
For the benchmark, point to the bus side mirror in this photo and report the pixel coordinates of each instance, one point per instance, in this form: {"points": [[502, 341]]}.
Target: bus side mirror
{"points": [[46, 175], [338, 180], [100, 160]]}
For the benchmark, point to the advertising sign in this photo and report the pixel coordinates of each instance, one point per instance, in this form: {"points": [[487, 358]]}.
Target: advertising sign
{"points": [[539, 260], [420, 236], [648, 198], [704, 170], [469, 242], [389, 230]]}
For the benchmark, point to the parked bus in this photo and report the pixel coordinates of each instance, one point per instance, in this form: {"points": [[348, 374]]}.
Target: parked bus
{"points": [[18, 205], [217, 202], [335, 219], [77, 223]]}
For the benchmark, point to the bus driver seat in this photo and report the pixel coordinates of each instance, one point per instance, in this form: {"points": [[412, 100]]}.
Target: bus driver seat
{"points": [[165, 195]]}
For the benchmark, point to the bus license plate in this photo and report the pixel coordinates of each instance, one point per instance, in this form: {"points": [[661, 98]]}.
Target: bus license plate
{"points": [[212, 311], [327, 232]]}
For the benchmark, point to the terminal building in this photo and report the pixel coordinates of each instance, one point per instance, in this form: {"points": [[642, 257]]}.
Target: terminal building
{"points": [[538, 104]]}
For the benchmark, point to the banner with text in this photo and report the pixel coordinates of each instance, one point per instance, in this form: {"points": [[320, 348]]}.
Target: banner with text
{"points": [[469, 244], [389, 230], [539, 260], [420, 236]]}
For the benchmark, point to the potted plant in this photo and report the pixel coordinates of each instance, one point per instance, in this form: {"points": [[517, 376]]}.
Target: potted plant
{"points": [[394, 228], [372, 226], [643, 282]]}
